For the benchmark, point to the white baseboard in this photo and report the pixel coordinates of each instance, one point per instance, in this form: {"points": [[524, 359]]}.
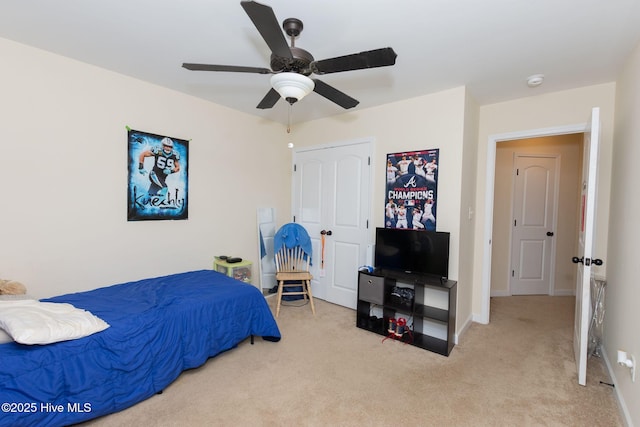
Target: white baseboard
{"points": [[558, 293], [464, 328], [565, 293], [500, 294], [619, 398]]}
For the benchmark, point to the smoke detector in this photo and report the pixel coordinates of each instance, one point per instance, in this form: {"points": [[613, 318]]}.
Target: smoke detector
{"points": [[535, 80]]}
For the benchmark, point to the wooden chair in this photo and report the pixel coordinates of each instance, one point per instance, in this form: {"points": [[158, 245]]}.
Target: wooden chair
{"points": [[292, 270]]}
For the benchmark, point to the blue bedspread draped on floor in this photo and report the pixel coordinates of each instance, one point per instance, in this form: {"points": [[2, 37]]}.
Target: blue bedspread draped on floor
{"points": [[159, 327]]}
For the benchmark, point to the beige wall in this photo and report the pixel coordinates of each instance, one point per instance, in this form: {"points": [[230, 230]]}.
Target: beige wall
{"points": [[432, 121], [63, 222], [64, 176], [622, 316], [446, 120], [617, 229], [467, 214], [554, 110], [568, 148], [64, 127]]}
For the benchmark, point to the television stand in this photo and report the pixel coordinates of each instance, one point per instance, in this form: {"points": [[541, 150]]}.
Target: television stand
{"points": [[430, 315]]}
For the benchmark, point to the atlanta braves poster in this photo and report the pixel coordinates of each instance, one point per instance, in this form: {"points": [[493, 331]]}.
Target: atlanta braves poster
{"points": [[158, 177], [412, 190]]}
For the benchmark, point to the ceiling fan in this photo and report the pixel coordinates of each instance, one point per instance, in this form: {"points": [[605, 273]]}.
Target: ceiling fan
{"points": [[292, 66]]}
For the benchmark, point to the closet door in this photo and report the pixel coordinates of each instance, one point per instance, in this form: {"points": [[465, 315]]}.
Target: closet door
{"points": [[331, 199]]}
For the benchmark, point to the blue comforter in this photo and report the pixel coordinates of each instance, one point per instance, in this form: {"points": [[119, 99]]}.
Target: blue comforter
{"points": [[159, 328]]}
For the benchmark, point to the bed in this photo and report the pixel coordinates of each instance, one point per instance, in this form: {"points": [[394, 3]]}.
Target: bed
{"points": [[157, 328]]}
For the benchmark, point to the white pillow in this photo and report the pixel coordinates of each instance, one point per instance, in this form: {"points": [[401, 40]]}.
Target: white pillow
{"points": [[35, 322], [5, 337]]}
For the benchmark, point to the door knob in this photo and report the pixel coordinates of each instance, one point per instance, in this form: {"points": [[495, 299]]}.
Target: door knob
{"points": [[596, 261], [327, 232], [549, 233]]}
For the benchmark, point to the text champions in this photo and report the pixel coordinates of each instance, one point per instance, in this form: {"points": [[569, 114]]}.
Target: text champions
{"points": [[413, 194]]}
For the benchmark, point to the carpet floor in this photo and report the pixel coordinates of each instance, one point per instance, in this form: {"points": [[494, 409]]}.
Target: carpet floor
{"points": [[517, 371]]}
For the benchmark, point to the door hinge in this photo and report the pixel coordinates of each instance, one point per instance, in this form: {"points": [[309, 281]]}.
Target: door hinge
{"points": [[513, 273], [369, 161], [294, 218], [515, 222], [367, 224], [517, 172], [295, 169]]}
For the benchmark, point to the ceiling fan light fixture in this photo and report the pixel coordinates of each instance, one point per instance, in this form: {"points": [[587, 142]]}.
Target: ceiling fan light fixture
{"points": [[292, 86]]}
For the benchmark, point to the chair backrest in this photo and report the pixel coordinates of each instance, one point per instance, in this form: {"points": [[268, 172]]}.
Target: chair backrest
{"points": [[291, 235], [291, 260]]}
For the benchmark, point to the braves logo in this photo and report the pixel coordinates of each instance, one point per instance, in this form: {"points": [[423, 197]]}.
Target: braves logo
{"points": [[411, 182]]}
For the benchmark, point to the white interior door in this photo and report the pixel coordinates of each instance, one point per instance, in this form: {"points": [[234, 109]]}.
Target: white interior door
{"points": [[534, 213], [586, 250], [331, 193]]}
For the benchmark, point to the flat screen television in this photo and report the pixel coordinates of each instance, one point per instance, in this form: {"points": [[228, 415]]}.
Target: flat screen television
{"points": [[412, 251]]}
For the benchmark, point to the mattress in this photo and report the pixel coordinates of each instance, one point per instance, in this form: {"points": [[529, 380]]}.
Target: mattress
{"points": [[158, 328]]}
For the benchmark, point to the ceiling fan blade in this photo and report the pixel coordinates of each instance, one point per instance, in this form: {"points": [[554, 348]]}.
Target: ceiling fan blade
{"points": [[267, 24], [334, 95], [269, 99], [357, 61], [232, 68]]}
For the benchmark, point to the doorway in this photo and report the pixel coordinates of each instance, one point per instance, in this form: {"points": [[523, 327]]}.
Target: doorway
{"points": [[567, 149], [495, 278]]}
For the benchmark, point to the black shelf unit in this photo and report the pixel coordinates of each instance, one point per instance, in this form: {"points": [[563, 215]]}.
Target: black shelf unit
{"points": [[374, 291]]}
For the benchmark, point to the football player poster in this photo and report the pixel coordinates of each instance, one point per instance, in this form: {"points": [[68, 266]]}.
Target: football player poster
{"points": [[158, 177], [412, 190]]}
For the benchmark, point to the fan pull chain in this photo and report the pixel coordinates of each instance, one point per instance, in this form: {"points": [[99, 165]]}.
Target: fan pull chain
{"points": [[289, 120]]}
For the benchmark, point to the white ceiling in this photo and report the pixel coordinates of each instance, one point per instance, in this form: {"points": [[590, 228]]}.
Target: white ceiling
{"points": [[491, 46]]}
